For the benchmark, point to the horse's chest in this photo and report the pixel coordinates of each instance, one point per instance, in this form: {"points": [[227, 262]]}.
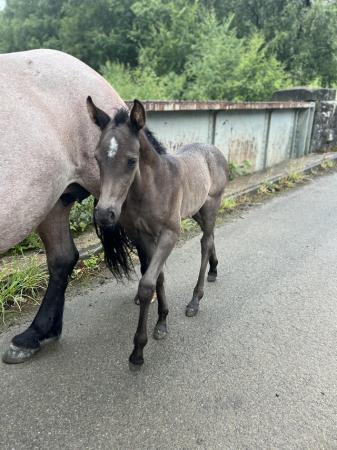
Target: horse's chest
{"points": [[136, 221]]}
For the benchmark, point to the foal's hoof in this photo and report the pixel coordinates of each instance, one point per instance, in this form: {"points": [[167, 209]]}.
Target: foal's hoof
{"points": [[211, 277], [17, 355], [191, 311], [135, 362], [192, 308], [160, 332]]}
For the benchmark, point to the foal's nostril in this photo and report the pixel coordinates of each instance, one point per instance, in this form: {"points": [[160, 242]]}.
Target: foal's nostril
{"points": [[112, 214]]}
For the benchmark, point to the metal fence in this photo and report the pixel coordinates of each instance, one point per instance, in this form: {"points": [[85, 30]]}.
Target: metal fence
{"points": [[263, 133]]}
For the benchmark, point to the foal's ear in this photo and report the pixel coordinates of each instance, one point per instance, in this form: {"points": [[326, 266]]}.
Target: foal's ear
{"points": [[99, 117], [137, 115]]}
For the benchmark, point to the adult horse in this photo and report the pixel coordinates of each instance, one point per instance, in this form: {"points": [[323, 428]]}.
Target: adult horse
{"points": [[47, 144]]}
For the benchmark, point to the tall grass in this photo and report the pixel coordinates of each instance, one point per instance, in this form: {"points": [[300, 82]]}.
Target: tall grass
{"points": [[19, 282]]}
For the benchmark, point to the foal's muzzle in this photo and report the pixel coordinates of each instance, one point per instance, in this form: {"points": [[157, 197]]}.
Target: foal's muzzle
{"points": [[105, 217]]}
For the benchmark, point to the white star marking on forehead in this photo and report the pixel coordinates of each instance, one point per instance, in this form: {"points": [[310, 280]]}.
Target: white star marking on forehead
{"points": [[112, 148]]}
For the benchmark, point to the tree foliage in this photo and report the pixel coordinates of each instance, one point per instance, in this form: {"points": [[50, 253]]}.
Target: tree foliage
{"points": [[192, 49]]}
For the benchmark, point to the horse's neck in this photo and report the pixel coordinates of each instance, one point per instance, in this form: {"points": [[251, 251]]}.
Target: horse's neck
{"points": [[148, 154], [149, 162]]}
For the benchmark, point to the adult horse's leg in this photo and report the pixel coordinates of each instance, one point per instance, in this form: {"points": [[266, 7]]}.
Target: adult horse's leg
{"points": [[206, 219], [146, 288], [62, 256]]}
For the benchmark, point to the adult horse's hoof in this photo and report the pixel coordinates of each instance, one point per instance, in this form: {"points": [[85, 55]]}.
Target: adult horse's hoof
{"points": [[160, 332], [211, 277], [17, 355]]}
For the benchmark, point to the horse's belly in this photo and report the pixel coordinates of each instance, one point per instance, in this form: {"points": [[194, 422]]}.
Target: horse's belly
{"points": [[194, 197]]}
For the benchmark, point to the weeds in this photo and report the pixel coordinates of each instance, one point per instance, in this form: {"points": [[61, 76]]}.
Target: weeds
{"points": [[188, 225], [328, 164], [227, 204], [238, 170], [20, 283], [81, 215], [88, 267]]}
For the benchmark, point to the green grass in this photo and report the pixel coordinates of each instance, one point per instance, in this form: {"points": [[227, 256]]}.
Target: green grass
{"points": [[19, 283], [228, 204]]}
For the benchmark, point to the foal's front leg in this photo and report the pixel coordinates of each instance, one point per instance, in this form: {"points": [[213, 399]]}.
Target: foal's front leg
{"points": [[147, 285]]}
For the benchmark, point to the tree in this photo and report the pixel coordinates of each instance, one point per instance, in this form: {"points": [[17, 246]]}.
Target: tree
{"points": [[222, 66]]}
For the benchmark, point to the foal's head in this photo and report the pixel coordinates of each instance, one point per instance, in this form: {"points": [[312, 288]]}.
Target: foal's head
{"points": [[117, 154]]}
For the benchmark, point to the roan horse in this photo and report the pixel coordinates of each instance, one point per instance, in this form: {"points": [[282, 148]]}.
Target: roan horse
{"points": [[47, 144], [148, 193]]}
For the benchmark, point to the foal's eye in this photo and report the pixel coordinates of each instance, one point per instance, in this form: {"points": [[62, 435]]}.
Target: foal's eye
{"points": [[131, 162]]}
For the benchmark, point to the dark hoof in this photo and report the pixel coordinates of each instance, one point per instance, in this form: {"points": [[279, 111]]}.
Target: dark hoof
{"points": [[135, 362], [17, 355], [160, 332], [191, 311], [134, 367], [211, 277]]}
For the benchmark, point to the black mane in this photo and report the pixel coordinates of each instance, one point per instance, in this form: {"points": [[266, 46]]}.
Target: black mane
{"points": [[122, 117], [158, 146]]}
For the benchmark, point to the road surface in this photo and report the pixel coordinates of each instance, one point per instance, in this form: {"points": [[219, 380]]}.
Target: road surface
{"points": [[256, 369]]}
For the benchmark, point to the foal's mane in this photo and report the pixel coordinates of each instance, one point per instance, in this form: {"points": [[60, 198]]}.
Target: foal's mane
{"points": [[122, 117]]}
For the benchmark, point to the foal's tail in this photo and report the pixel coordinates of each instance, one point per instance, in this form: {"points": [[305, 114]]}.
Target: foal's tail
{"points": [[118, 250]]}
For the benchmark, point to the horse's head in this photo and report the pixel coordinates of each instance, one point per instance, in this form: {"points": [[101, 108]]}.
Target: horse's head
{"points": [[117, 154]]}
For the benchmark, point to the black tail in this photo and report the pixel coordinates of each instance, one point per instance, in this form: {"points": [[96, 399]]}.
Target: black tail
{"points": [[117, 250]]}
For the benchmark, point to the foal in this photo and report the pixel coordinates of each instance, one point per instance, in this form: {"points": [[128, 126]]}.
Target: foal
{"points": [[147, 194]]}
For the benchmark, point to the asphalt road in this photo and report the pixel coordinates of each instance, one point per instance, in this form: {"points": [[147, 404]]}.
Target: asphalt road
{"points": [[256, 369]]}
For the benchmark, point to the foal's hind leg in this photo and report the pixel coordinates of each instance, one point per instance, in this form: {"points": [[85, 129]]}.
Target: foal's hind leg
{"points": [[213, 261], [206, 219], [62, 256]]}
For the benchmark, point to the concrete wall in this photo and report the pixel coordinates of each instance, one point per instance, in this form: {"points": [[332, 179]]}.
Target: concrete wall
{"points": [[263, 133], [324, 131]]}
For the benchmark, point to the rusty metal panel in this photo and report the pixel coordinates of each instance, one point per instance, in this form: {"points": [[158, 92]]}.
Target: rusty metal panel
{"points": [[240, 136], [216, 105], [263, 133], [174, 129]]}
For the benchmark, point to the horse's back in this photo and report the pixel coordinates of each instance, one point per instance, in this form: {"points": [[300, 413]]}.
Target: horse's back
{"points": [[46, 136], [204, 174], [205, 158]]}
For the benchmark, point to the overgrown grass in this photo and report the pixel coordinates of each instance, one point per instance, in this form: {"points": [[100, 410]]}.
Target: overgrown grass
{"points": [[19, 283], [328, 164], [228, 204], [239, 169]]}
